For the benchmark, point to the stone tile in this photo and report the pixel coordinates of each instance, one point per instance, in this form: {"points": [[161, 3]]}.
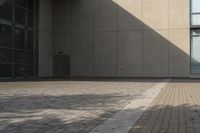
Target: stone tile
{"points": [[64, 106]]}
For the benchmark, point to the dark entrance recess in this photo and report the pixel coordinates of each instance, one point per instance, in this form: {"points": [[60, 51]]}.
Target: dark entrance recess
{"points": [[61, 66]]}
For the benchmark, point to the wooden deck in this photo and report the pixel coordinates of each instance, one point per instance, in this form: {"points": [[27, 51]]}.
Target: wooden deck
{"points": [[175, 110]]}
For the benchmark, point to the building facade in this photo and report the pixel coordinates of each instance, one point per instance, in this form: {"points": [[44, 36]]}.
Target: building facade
{"points": [[99, 38]]}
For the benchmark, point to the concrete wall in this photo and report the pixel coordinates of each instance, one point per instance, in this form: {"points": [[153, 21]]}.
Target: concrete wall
{"points": [[45, 39], [123, 38]]}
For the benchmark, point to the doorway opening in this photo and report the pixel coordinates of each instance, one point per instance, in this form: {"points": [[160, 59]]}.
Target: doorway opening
{"points": [[61, 68]]}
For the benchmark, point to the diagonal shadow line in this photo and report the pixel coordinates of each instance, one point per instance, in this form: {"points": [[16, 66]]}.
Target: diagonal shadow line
{"points": [[155, 44], [154, 39], [158, 56]]}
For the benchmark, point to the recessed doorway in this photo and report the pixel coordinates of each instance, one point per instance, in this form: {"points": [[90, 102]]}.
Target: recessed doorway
{"points": [[61, 66]]}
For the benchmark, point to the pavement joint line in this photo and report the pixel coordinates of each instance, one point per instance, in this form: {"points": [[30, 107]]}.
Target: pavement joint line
{"points": [[123, 120]]}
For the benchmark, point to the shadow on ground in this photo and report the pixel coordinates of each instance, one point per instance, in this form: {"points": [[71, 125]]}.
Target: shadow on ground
{"points": [[176, 109], [71, 113], [70, 102]]}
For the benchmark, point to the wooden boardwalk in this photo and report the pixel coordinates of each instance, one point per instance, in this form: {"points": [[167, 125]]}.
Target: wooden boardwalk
{"points": [[175, 110]]}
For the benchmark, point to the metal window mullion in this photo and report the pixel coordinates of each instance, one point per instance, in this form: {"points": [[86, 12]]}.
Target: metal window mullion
{"points": [[195, 13], [195, 27], [34, 42], [35, 39], [26, 39], [13, 42]]}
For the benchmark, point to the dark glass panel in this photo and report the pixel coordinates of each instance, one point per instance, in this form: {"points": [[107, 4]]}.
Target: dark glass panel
{"points": [[5, 36], [36, 20], [36, 70], [36, 5], [19, 38], [5, 70], [24, 61], [30, 4], [30, 19], [6, 11], [20, 15], [30, 58], [20, 70], [196, 32], [30, 71], [6, 55], [20, 57], [20, 2], [30, 40]]}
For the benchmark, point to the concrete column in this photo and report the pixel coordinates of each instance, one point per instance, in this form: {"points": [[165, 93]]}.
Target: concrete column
{"points": [[45, 39]]}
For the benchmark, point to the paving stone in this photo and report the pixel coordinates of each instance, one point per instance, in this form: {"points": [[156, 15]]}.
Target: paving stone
{"points": [[175, 110], [64, 106]]}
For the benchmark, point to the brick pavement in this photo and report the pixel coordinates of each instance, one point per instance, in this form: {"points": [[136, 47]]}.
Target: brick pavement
{"points": [[64, 106], [175, 110]]}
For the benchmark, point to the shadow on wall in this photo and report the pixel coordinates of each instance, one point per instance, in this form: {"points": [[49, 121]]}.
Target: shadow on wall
{"points": [[125, 38]]}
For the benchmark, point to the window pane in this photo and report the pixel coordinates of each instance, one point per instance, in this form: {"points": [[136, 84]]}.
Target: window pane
{"points": [[19, 38], [6, 11], [30, 71], [20, 15], [30, 4], [30, 58], [6, 55], [20, 57], [195, 6], [5, 35], [196, 19], [195, 55], [196, 32], [20, 70], [5, 70], [30, 40], [36, 5], [30, 19], [20, 2]]}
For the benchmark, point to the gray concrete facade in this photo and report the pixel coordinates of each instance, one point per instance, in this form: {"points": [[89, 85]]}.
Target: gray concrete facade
{"points": [[116, 38], [45, 39]]}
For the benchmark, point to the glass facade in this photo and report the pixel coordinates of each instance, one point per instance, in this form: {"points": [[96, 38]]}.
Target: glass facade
{"points": [[18, 39], [195, 12], [195, 36]]}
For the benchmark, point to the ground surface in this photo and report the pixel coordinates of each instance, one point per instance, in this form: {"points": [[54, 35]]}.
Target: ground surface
{"points": [[80, 106], [175, 110], [64, 106]]}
